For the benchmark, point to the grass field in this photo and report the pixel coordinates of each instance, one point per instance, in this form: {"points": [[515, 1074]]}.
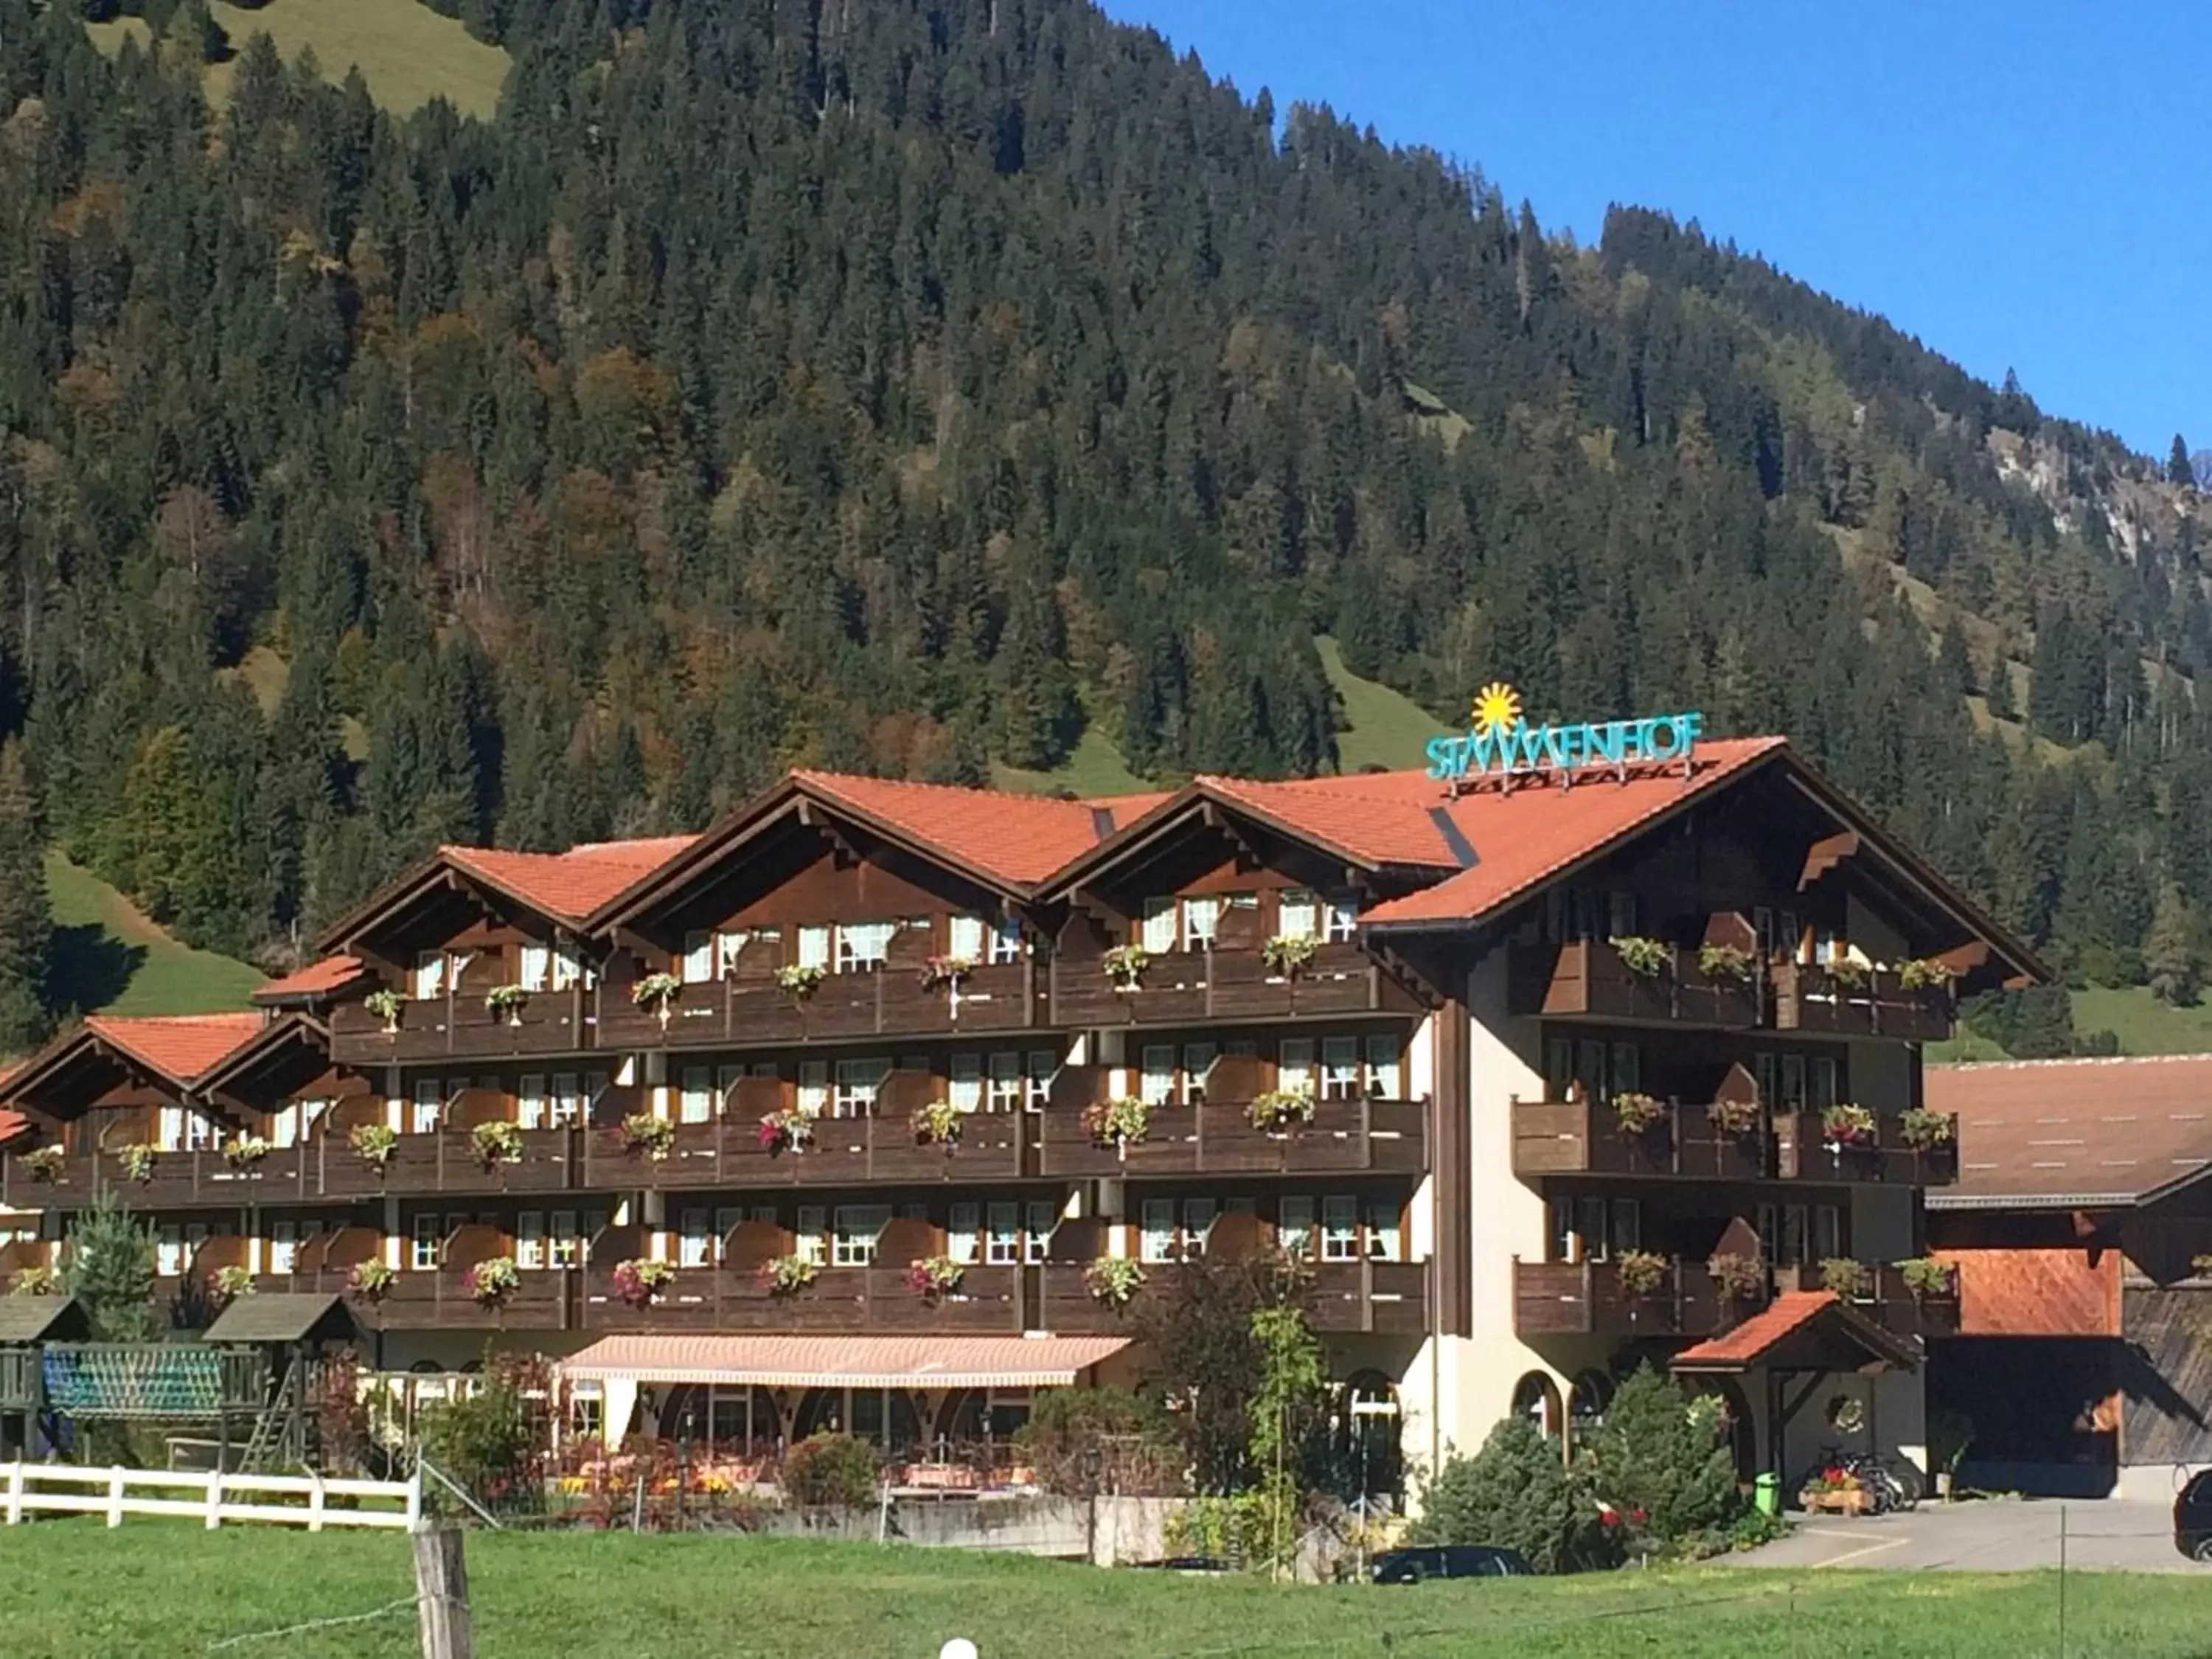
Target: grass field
{"points": [[407, 53], [73, 1588], [109, 958], [2144, 1025]]}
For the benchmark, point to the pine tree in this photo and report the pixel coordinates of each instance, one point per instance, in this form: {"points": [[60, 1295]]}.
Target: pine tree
{"points": [[1517, 1494], [2180, 470], [1657, 1456], [26, 920], [2171, 952], [110, 1268]]}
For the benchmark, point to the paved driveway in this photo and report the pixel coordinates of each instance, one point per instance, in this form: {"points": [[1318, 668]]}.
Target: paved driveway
{"points": [[1992, 1535]]}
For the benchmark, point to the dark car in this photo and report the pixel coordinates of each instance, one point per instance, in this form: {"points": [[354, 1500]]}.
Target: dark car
{"points": [[1451, 1561], [2192, 1518], [1189, 1563]]}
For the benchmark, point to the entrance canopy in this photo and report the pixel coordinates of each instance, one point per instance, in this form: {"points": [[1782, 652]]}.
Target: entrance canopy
{"points": [[829, 1361], [1799, 1331]]}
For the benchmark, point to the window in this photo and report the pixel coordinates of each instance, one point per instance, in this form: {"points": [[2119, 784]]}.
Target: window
{"points": [[1043, 1067], [429, 978], [1340, 921], [963, 1237], [1590, 1228], [814, 947], [1386, 1079], [1620, 915], [695, 1238], [1038, 1230], [858, 1228], [564, 1249], [1197, 1061], [1339, 1228], [1627, 1230], [862, 945], [1159, 933], [1823, 1082], [857, 1083], [1157, 1237], [1559, 1068], [1563, 1229], [1762, 1067], [169, 1250], [1827, 1232], [1298, 913], [813, 1087], [1793, 1081], [422, 1120], [1589, 1070], [424, 1254], [727, 948], [1625, 1071], [1002, 1243], [1339, 1068], [963, 937], [1005, 1091], [813, 1224], [567, 1103], [694, 1103], [1769, 1232], [568, 969], [965, 1090], [1828, 945], [1294, 1065], [1793, 1234], [529, 1239], [1156, 1083], [530, 1101], [698, 964], [283, 1246], [1385, 1235], [537, 967], [1005, 944], [1200, 917], [1294, 1224], [1198, 1215]]}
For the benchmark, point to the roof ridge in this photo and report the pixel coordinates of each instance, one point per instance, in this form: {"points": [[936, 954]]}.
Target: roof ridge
{"points": [[2058, 1060], [970, 790]]}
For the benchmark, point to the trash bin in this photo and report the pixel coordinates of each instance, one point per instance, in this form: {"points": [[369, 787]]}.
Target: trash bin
{"points": [[1766, 1493]]}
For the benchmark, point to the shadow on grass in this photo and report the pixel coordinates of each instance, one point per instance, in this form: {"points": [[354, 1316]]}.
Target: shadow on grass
{"points": [[89, 967]]}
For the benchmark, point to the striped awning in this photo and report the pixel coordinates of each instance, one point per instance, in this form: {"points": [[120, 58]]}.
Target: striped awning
{"points": [[812, 1362]]}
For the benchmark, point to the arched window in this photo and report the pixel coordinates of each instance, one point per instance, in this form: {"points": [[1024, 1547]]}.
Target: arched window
{"points": [[1367, 1436], [1536, 1397], [1586, 1404]]}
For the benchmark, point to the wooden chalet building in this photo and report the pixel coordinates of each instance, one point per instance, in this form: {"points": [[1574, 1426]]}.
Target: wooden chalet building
{"points": [[1036, 1044], [2081, 1226]]}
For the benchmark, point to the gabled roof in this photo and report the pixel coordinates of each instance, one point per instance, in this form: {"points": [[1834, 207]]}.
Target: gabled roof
{"points": [[11, 1123], [178, 1048], [2071, 1134], [284, 1316], [35, 1318], [1814, 1320], [316, 982]]}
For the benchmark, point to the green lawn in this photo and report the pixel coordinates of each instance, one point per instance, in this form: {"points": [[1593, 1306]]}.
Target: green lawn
{"points": [[109, 958], [2144, 1025], [1095, 768], [151, 1588]]}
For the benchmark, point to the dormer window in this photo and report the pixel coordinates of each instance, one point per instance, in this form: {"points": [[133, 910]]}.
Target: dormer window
{"points": [[537, 967], [990, 941], [427, 983], [698, 964], [862, 945]]}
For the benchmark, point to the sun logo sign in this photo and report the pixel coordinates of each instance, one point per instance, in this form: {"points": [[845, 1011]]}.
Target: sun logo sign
{"points": [[1497, 710], [1499, 742]]}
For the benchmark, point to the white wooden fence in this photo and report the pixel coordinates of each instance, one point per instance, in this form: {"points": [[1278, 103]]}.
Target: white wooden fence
{"points": [[215, 1498]]}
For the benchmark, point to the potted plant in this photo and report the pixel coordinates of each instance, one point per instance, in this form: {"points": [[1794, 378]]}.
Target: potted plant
{"points": [[1125, 966], [639, 1283], [1735, 1117], [1642, 1272], [497, 1142], [1647, 958], [37, 1281], [246, 1151], [1924, 1276], [1638, 1115], [657, 992], [43, 1163], [373, 1144], [1925, 1131], [2201, 1265], [1847, 971], [1725, 962], [798, 982], [938, 1124], [493, 1283], [139, 1161], [370, 1280], [385, 1004], [1846, 1124], [934, 1278], [1835, 1490], [1119, 1121], [786, 1131], [1848, 1280], [1278, 1108], [1924, 972], [505, 1001], [641, 1132], [946, 970], [1738, 1277], [1113, 1279], [231, 1282], [787, 1275], [1289, 955]]}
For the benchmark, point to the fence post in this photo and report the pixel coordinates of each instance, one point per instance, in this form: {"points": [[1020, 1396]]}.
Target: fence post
{"points": [[214, 1500], [315, 1502], [415, 1499], [441, 1591], [16, 1492], [115, 1496]]}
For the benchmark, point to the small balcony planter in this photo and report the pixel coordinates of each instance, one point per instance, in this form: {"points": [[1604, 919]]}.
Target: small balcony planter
{"points": [[137, 1161], [1279, 1109], [45, 1163], [1925, 1131], [37, 1281], [1113, 1279], [946, 972], [387, 1005], [1125, 966], [1739, 1118], [1646, 958], [1638, 1115], [373, 1144], [787, 1275], [800, 983], [639, 1283], [1924, 1276], [1642, 1272], [493, 1283], [1924, 972], [506, 1002], [1848, 973], [497, 1142], [1117, 1122], [656, 993], [1737, 1278], [1725, 964], [1289, 955], [2201, 1265], [641, 1132], [934, 1278], [246, 1151], [938, 1124], [370, 1280], [786, 1131], [1848, 1280], [1847, 1127], [231, 1282]]}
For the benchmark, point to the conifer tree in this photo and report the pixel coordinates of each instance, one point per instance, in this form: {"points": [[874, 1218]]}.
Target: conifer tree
{"points": [[26, 920]]}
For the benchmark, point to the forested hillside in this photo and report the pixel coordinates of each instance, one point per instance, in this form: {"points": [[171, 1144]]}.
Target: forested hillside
{"points": [[922, 386]]}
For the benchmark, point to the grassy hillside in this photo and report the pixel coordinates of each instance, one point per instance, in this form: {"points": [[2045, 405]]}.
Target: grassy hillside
{"points": [[407, 53], [2144, 1025], [109, 958]]}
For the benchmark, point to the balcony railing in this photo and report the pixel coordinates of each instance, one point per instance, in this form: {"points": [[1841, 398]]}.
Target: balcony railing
{"points": [[1872, 1002], [1551, 1138], [459, 1023], [445, 1161], [1182, 987], [842, 1299], [837, 1151], [891, 1000], [1557, 1298], [1362, 1136], [1805, 1151], [1588, 979], [1889, 1302]]}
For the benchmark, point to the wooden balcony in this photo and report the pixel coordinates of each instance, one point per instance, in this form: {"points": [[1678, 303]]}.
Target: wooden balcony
{"points": [[458, 1024], [447, 1161], [742, 1009], [1391, 1298], [1803, 1152], [1889, 1304], [988, 1300], [1185, 987], [71, 1183], [174, 1181], [1559, 1298], [1586, 979], [1579, 1138], [1344, 1137], [1818, 1002], [442, 1299]]}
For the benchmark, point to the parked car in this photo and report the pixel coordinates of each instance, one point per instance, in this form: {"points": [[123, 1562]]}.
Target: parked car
{"points": [[2192, 1518], [1189, 1564], [1451, 1561]]}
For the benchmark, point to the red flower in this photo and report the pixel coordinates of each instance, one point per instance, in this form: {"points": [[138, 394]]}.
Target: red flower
{"points": [[1637, 1517], [1609, 1517]]}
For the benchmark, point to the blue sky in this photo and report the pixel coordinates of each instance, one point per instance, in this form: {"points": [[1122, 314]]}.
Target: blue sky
{"points": [[2021, 184]]}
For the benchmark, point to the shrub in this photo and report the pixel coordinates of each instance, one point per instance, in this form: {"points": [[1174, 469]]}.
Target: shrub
{"points": [[485, 1441], [1515, 1493], [830, 1472], [1657, 1455], [1082, 1441]]}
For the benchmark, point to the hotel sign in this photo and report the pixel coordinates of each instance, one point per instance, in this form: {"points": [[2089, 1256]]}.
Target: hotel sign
{"points": [[1499, 744]]}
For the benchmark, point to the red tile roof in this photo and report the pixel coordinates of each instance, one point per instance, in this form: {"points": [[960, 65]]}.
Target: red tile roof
{"points": [[179, 1046], [317, 979], [803, 1362], [11, 1123], [1017, 839], [1745, 1344], [1522, 838], [568, 885], [2074, 1134]]}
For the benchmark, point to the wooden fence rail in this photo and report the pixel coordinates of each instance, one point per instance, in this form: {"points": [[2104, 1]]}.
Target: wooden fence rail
{"points": [[214, 1497]]}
